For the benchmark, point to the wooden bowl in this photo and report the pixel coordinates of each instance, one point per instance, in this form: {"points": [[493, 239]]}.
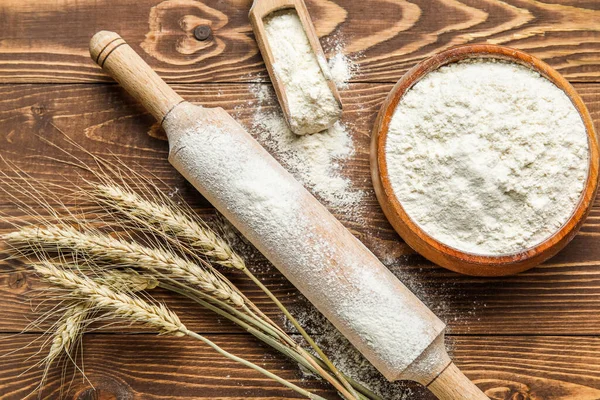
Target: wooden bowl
{"points": [[439, 253]]}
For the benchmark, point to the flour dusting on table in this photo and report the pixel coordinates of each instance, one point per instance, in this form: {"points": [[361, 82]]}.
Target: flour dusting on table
{"points": [[345, 356], [487, 157], [315, 160], [342, 69], [343, 65]]}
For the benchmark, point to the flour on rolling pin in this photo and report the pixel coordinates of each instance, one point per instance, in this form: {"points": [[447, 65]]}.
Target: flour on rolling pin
{"points": [[312, 105], [349, 285]]}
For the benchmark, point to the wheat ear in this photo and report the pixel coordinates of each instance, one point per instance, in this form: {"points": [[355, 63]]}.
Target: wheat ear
{"points": [[68, 331], [118, 304], [128, 280], [72, 323], [77, 315], [157, 316], [173, 220], [106, 248]]}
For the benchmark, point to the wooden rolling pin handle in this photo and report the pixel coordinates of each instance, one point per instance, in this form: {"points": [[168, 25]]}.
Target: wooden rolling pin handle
{"points": [[452, 384], [120, 61]]}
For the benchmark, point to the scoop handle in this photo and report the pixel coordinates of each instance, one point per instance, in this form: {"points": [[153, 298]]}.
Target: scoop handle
{"points": [[113, 54], [452, 384]]}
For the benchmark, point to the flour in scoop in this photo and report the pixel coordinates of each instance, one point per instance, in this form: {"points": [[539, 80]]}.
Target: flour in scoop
{"points": [[312, 106], [487, 156]]}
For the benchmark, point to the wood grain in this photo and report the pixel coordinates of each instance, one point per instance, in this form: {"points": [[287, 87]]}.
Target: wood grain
{"points": [[386, 37], [558, 298], [150, 367]]}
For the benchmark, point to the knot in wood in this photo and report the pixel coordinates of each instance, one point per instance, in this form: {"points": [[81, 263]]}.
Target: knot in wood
{"points": [[93, 394], [38, 109], [106, 388], [17, 280], [202, 32], [519, 396]]}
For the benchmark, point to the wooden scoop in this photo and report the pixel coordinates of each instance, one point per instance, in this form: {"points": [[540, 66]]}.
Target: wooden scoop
{"points": [[262, 9], [401, 337]]}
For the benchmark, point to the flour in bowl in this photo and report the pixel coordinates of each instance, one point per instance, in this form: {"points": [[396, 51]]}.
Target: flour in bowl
{"points": [[312, 106], [487, 156]]}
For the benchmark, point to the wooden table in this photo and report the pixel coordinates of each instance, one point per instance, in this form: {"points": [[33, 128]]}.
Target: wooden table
{"points": [[531, 336]]}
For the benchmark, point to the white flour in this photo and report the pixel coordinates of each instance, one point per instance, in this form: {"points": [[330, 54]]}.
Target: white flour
{"points": [[342, 69], [312, 106], [315, 160], [487, 157]]}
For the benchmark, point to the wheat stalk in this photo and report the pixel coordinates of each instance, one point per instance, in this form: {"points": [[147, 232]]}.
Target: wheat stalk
{"points": [[124, 253], [122, 305]]}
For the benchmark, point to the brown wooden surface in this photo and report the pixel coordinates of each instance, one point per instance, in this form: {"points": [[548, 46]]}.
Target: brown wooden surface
{"points": [[135, 367], [46, 41], [530, 336]]}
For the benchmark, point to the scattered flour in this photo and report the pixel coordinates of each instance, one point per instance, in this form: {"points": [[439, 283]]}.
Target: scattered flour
{"points": [[342, 69], [345, 356], [487, 157], [315, 160], [312, 105]]}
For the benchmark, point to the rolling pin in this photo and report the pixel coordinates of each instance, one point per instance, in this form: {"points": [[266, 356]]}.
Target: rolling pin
{"points": [[389, 325]]}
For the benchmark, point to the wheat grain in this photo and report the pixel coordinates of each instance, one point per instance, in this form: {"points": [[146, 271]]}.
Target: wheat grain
{"points": [[118, 304], [109, 249], [68, 331], [127, 280], [73, 321], [172, 219]]}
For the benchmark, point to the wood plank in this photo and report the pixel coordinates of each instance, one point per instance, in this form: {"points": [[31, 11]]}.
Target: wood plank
{"points": [[386, 37], [560, 297], [150, 367]]}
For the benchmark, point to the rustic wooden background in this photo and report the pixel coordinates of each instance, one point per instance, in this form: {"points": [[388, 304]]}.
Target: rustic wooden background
{"points": [[531, 336]]}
